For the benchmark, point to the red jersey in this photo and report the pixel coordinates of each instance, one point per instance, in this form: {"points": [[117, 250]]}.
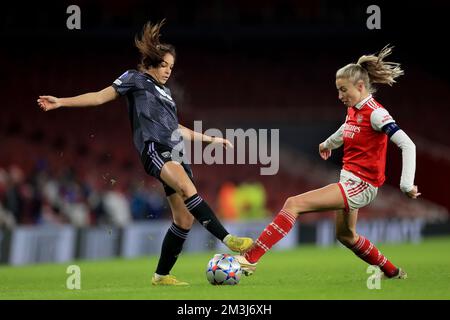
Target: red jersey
{"points": [[365, 144]]}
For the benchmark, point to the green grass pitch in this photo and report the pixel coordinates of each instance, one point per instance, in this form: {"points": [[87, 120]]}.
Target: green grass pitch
{"points": [[308, 272]]}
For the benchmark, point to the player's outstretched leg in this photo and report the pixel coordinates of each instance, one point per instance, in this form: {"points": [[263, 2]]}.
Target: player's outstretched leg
{"points": [[175, 176], [204, 214], [274, 232], [326, 198]]}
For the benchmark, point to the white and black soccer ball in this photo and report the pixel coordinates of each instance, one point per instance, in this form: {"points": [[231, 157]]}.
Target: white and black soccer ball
{"points": [[223, 269]]}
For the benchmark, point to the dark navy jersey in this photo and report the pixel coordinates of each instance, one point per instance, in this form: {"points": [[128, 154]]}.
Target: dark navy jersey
{"points": [[151, 109]]}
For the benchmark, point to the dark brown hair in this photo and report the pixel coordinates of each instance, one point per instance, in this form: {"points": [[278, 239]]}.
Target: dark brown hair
{"points": [[152, 51]]}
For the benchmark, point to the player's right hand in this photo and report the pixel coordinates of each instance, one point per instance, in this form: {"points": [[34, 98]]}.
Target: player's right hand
{"points": [[325, 153], [47, 103]]}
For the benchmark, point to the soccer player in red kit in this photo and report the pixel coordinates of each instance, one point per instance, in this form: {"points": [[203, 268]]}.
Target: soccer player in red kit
{"points": [[364, 135]]}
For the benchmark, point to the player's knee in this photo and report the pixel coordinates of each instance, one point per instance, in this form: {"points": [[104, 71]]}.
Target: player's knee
{"points": [[186, 190], [293, 205], [348, 239], [289, 203], [184, 222]]}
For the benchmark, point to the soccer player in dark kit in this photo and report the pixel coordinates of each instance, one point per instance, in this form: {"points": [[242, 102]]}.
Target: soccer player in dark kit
{"points": [[156, 134]]}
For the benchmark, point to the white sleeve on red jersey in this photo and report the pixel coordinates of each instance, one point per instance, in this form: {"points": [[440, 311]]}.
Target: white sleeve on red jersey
{"points": [[401, 139], [379, 118], [336, 139]]}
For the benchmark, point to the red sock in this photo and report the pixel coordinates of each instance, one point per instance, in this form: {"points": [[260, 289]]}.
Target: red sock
{"points": [[365, 249], [274, 232]]}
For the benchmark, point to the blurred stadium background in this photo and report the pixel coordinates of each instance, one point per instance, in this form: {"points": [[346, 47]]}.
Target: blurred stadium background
{"points": [[72, 186]]}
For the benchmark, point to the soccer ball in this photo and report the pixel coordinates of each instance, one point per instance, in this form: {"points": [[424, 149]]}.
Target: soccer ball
{"points": [[223, 269]]}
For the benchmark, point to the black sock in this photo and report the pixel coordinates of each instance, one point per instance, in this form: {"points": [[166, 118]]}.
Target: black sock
{"points": [[203, 213], [171, 248]]}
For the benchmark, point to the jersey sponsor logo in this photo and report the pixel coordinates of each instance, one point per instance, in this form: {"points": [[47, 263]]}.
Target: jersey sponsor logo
{"points": [[117, 82], [351, 130]]}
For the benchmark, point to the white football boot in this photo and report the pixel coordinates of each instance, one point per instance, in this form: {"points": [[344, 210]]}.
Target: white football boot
{"points": [[247, 267], [400, 275]]}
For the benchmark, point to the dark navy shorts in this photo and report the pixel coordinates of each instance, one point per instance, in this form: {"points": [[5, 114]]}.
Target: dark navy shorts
{"points": [[154, 156]]}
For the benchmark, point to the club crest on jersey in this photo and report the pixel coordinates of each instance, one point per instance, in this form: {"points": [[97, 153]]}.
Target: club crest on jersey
{"points": [[359, 118]]}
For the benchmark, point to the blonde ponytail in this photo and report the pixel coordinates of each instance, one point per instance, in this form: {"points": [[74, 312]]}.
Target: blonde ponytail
{"points": [[372, 69]]}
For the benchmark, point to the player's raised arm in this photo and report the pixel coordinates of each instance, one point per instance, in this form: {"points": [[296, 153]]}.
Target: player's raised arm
{"points": [[191, 135], [90, 99]]}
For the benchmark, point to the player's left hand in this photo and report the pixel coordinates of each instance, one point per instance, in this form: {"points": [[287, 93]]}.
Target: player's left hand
{"points": [[225, 142], [414, 193], [47, 103]]}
